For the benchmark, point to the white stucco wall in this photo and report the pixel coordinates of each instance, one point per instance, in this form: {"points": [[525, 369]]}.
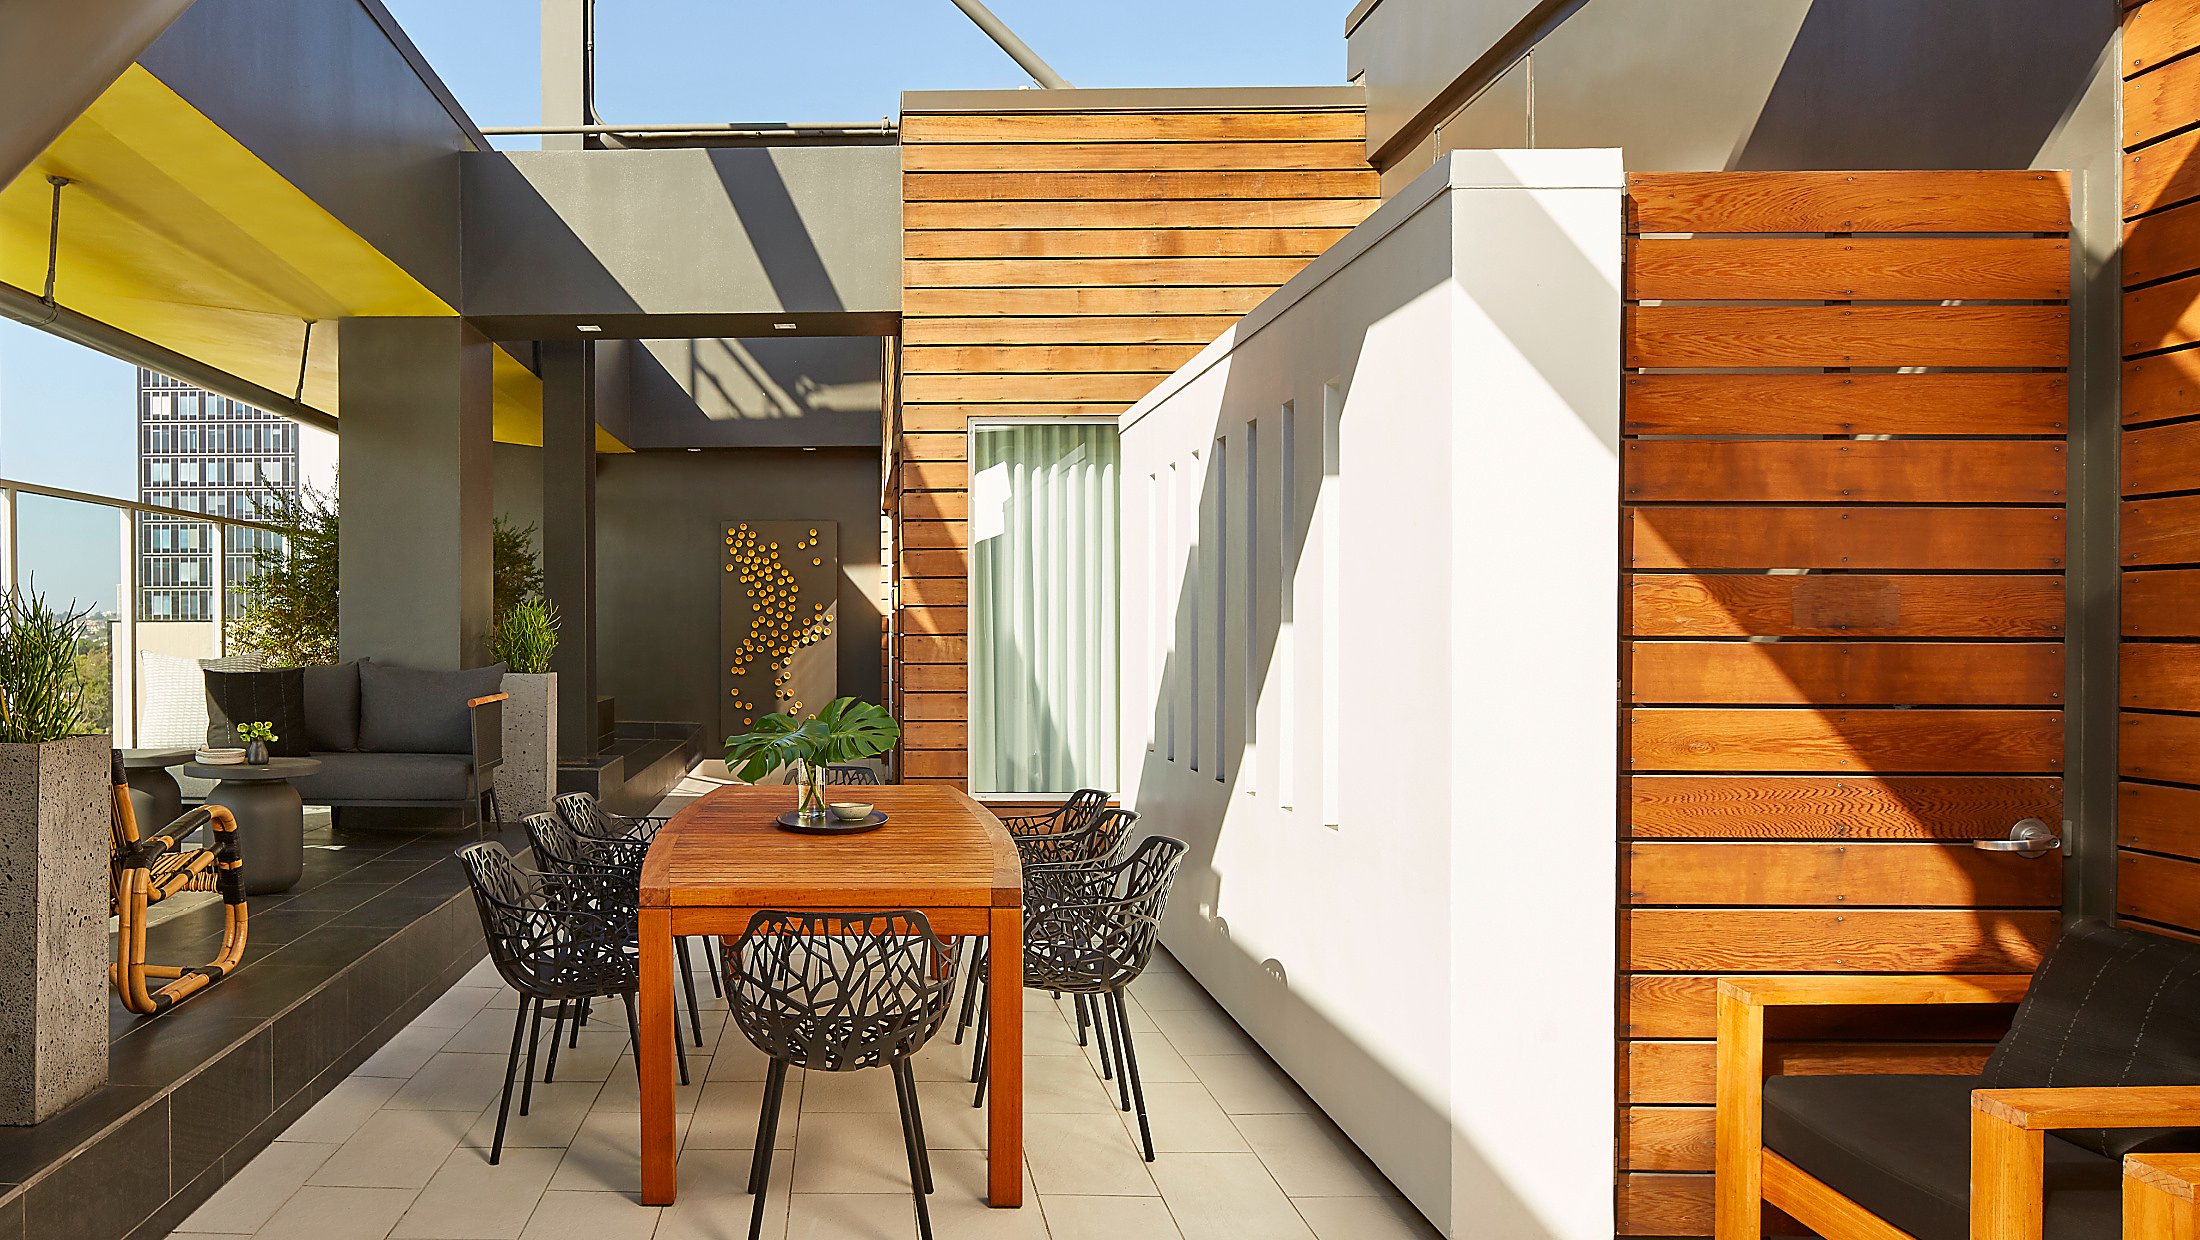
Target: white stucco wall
{"points": [[1378, 697]]}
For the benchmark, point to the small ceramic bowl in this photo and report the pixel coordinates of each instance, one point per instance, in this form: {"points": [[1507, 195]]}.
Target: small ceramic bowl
{"points": [[850, 811]]}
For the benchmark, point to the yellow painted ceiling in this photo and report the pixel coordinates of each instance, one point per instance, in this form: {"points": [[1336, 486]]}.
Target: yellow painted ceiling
{"points": [[174, 232]]}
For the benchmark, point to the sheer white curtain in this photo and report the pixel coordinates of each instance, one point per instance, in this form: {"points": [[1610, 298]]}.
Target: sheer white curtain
{"points": [[1042, 607]]}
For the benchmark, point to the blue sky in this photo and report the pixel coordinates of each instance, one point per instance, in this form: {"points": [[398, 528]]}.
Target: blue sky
{"points": [[67, 415]]}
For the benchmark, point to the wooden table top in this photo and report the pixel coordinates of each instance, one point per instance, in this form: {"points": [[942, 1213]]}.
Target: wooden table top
{"points": [[938, 849]]}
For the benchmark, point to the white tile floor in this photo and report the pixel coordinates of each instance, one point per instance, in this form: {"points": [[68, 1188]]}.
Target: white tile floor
{"points": [[400, 1150]]}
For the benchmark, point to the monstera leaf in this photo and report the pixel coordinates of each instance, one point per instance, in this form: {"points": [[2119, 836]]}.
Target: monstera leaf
{"points": [[845, 731]]}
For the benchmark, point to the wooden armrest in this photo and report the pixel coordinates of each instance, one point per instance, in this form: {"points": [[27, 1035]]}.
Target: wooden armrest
{"points": [[484, 701], [2129, 1106], [1868, 990], [2162, 1197]]}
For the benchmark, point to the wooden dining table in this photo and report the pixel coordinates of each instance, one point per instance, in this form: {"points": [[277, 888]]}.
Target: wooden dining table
{"points": [[724, 857]]}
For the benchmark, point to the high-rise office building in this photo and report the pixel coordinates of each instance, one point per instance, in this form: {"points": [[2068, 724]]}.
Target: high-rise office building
{"points": [[203, 453]]}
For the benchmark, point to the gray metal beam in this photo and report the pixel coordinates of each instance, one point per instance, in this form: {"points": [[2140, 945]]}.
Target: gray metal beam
{"points": [[55, 59], [569, 533], [1018, 50]]}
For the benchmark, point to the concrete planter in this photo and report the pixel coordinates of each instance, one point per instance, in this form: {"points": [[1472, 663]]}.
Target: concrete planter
{"points": [[529, 777], [55, 836]]}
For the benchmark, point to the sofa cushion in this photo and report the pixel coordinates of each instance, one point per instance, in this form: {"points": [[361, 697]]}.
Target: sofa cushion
{"points": [[272, 695], [1900, 1146], [2110, 1006], [407, 710], [332, 705], [386, 777]]}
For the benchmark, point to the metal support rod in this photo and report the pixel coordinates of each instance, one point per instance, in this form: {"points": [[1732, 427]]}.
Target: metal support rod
{"points": [[1018, 50], [792, 129], [8, 542], [53, 237], [218, 543], [125, 693], [305, 350]]}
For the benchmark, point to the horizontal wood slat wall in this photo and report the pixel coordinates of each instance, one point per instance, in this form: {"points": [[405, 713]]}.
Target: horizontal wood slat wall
{"points": [[2158, 858], [1845, 612], [1060, 264]]}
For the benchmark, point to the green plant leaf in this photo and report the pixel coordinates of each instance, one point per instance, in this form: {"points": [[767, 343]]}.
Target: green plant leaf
{"points": [[846, 730]]}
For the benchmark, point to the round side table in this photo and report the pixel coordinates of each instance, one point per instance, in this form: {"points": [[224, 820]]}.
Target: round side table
{"points": [[271, 820], [154, 796]]}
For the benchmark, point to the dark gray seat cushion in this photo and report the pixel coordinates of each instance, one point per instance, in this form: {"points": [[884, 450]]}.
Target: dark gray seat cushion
{"points": [[1900, 1146], [407, 710], [387, 777], [2110, 1006], [332, 706]]}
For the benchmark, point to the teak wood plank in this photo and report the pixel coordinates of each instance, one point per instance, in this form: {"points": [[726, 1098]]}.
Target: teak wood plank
{"points": [[1845, 605], [1340, 155], [1046, 358], [2161, 245], [2164, 173], [916, 649], [1089, 186], [930, 418], [1191, 329], [936, 534], [1063, 212], [940, 850], [2161, 531], [934, 706], [947, 765], [2164, 458], [935, 592], [930, 446], [2159, 747], [935, 735], [2160, 889], [2161, 316], [2162, 603], [1841, 807], [945, 678], [2162, 1196], [2159, 31], [1664, 1204], [1654, 1138], [2015, 539], [2161, 101], [1686, 336], [2164, 386], [1849, 268], [2159, 676], [2159, 818], [1681, 1073], [1805, 740], [1079, 243], [1844, 404], [1050, 302], [1686, 1006], [931, 562], [935, 620], [1060, 386], [1863, 940], [1867, 202], [1334, 125], [935, 506], [1847, 673], [1846, 874], [1918, 471], [928, 475], [1162, 272]]}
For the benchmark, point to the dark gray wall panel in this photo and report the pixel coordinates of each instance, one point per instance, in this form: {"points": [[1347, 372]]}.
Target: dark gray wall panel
{"points": [[796, 391], [55, 59], [660, 546], [330, 94], [1410, 53]]}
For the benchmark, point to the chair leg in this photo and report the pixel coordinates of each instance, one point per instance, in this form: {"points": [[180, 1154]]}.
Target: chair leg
{"points": [[1118, 1032], [511, 1066], [1100, 1037], [916, 1119], [760, 1170], [1130, 1069], [918, 1181], [534, 1035], [710, 961], [970, 992], [687, 983], [1079, 1001]]}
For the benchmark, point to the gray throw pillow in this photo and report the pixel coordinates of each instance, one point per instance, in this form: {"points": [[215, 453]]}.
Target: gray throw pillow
{"points": [[275, 696], [332, 707], [407, 710]]}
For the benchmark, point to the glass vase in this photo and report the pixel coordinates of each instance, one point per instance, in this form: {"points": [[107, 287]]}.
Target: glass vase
{"points": [[810, 776]]}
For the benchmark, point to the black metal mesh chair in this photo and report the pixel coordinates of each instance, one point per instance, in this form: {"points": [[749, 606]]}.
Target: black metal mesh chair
{"points": [[1090, 929], [555, 938], [850, 773], [1081, 808], [840, 992], [590, 819], [559, 849], [1074, 833]]}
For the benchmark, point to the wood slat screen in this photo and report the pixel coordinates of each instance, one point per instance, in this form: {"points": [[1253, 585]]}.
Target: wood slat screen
{"points": [[1843, 477], [1060, 264], [2158, 801]]}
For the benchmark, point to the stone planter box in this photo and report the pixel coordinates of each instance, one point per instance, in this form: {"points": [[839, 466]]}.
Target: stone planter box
{"points": [[528, 780], [55, 837]]}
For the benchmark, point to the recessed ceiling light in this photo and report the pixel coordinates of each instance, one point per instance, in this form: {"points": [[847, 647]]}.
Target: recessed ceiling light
{"points": [[785, 327], [695, 449], [809, 449], [588, 327]]}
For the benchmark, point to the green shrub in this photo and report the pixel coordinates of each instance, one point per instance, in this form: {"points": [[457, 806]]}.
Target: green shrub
{"points": [[42, 689], [526, 636]]}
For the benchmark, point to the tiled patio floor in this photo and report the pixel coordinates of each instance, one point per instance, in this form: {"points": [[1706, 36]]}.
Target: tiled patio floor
{"points": [[399, 1150]]}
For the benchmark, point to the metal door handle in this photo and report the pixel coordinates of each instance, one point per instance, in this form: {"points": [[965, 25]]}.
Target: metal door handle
{"points": [[2029, 838]]}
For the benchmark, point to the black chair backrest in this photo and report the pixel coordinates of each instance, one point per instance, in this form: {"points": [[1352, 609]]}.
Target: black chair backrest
{"points": [[2109, 1006], [1095, 924], [552, 936], [850, 773], [1098, 840], [559, 849], [839, 991]]}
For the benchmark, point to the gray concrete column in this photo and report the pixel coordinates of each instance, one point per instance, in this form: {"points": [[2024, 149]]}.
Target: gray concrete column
{"points": [[569, 533], [568, 88], [414, 444]]}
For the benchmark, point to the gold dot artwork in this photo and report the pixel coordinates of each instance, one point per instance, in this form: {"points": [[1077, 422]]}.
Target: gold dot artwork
{"points": [[776, 631]]}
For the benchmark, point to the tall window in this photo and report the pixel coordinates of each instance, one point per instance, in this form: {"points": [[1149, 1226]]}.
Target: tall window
{"points": [[1042, 606]]}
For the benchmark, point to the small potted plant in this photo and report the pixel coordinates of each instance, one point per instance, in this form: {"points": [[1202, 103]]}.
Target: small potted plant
{"points": [[525, 638], [256, 737], [845, 731]]}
